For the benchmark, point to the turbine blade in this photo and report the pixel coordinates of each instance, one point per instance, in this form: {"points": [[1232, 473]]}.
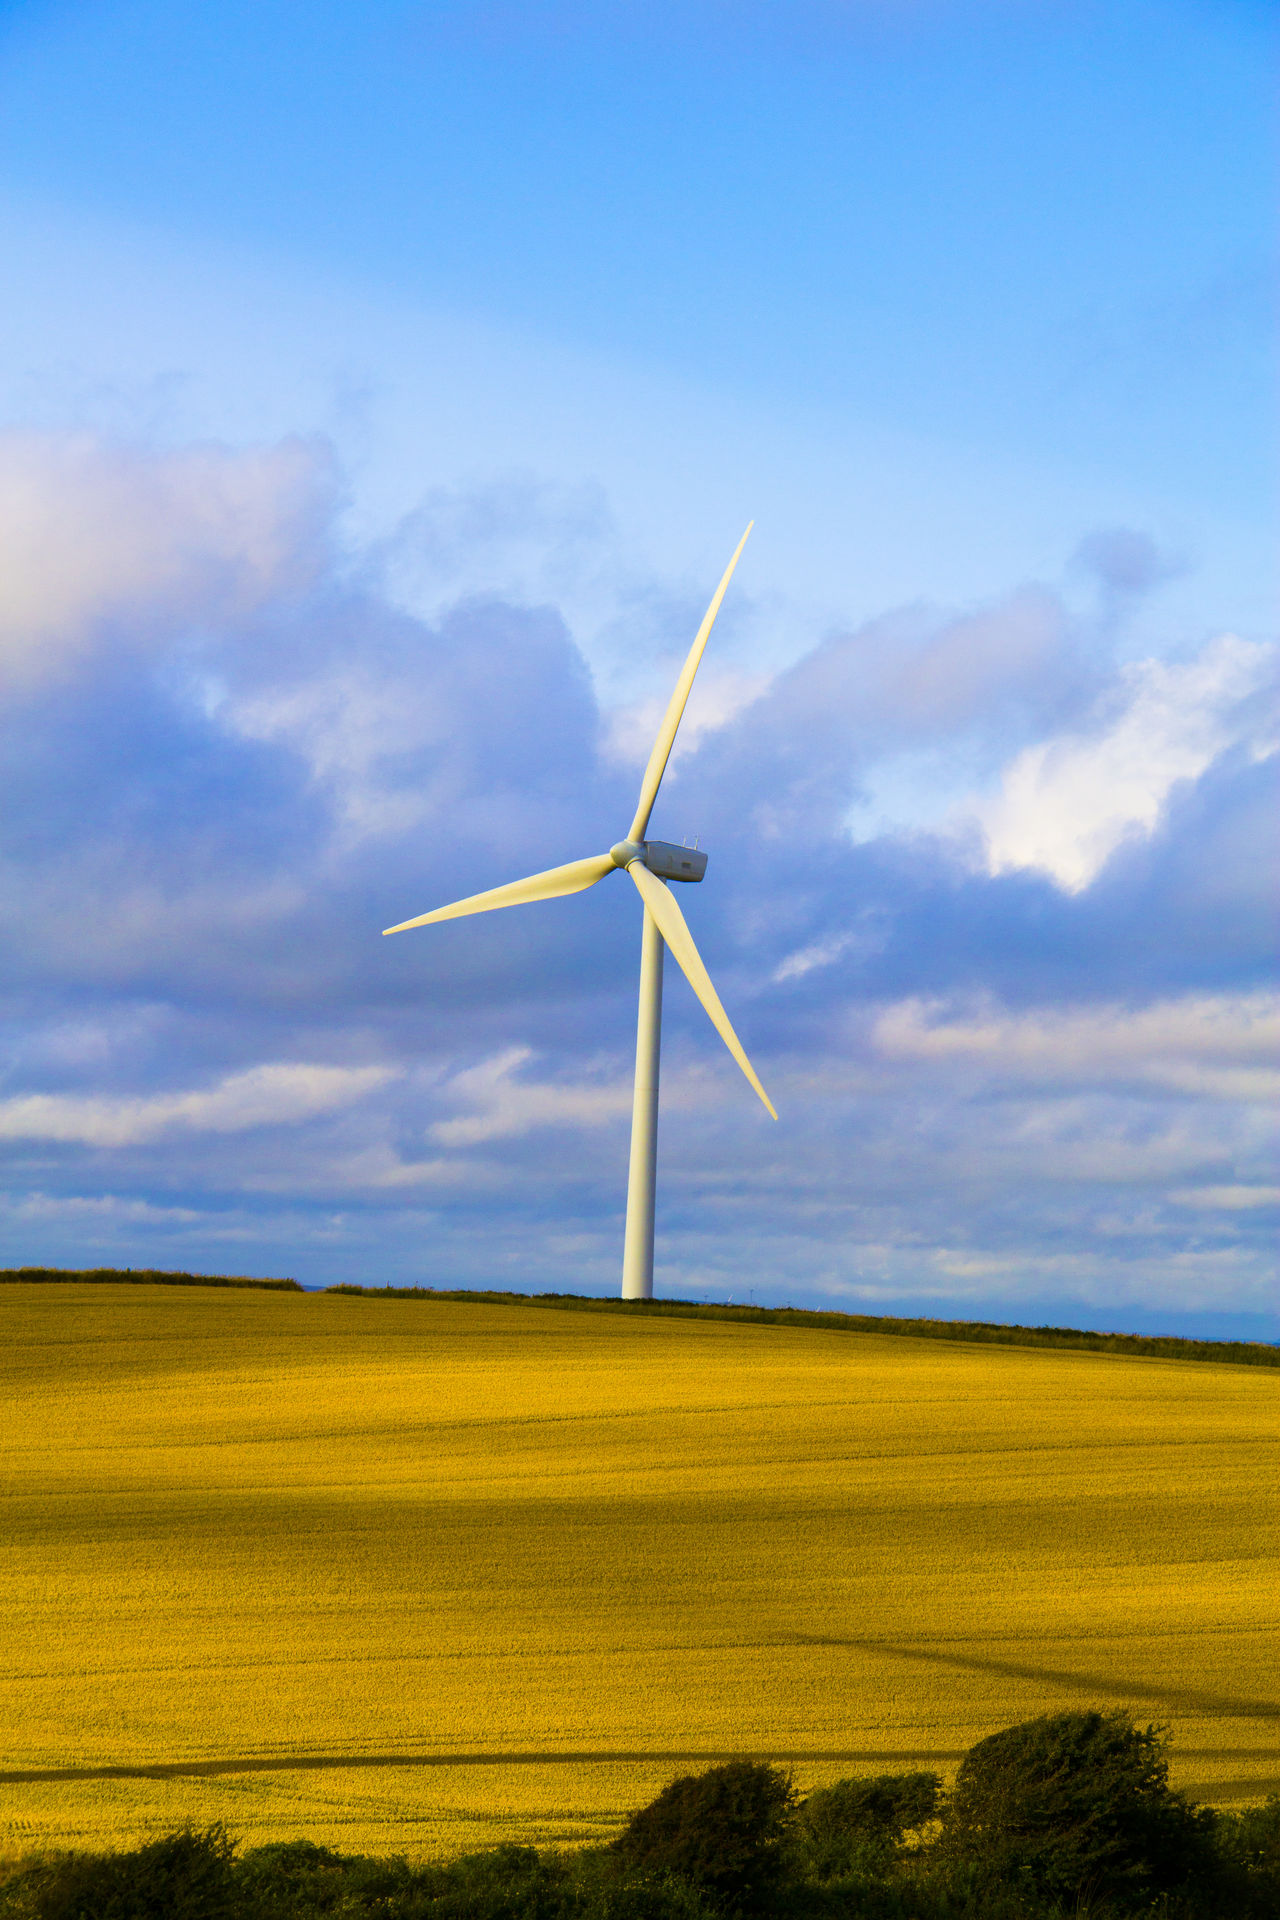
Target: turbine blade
{"points": [[671, 719], [661, 903], [539, 886]]}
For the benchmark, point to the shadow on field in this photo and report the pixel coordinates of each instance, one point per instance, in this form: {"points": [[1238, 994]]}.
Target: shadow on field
{"points": [[701, 1756], [1098, 1685], [1250, 1787], [310, 1762]]}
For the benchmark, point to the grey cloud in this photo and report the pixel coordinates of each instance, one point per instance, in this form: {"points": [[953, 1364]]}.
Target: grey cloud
{"points": [[797, 755], [512, 531], [101, 542], [1015, 652], [1126, 561]]}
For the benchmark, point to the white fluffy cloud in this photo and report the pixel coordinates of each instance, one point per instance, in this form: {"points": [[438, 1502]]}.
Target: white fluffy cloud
{"points": [[505, 1107], [821, 953], [1231, 1199], [273, 1095], [1067, 804]]}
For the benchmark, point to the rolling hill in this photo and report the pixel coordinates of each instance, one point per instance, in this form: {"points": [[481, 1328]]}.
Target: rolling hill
{"points": [[417, 1574]]}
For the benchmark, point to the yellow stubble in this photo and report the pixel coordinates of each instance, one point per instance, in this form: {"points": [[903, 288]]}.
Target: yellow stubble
{"points": [[415, 1575]]}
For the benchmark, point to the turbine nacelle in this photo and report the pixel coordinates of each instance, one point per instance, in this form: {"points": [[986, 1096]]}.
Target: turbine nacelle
{"points": [[668, 862]]}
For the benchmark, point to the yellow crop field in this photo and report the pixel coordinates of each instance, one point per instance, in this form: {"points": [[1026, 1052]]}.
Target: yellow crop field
{"points": [[411, 1575]]}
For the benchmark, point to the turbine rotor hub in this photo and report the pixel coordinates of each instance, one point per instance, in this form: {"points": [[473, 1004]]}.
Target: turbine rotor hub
{"points": [[627, 852]]}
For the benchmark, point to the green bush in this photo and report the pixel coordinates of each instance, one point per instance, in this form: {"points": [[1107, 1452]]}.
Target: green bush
{"points": [[1247, 1844], [857, 1825], [1077, 1806], [722, 1831], [182, 1876], [503, 1883], [600, 1884], [297, 1880]]}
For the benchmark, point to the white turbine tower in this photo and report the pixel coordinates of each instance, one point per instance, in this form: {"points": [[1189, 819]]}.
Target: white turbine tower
{"points": [[650, 863]]}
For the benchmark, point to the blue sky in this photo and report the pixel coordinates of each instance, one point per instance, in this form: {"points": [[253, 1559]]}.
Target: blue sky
{"points": [[382, 390]]}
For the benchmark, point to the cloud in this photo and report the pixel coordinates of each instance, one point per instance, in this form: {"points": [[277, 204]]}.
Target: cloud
{"points": [[1067, 804], [821, 953], [1125, 561], [507, 1108], [92, 533], [98, 1210], [968, 664], [1221, 1047], [399, 722], [718, 695], [273, 1095], [934, 692], [252, 757], [517, 536], [1227, 1199]]}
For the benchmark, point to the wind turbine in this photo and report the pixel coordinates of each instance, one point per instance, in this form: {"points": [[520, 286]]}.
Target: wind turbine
{"points": [[651, 863]]}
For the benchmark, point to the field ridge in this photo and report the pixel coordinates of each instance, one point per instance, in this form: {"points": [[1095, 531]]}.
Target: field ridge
{"points": [[1240, 1353], [1246, 1353]]}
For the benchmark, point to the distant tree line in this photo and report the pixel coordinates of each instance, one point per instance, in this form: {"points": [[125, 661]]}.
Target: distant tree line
{"points": [[143, 1277], [1067, 1817]]}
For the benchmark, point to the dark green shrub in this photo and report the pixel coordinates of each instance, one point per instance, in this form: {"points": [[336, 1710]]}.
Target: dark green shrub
{"points": [[182, 1876], [1248, 1847], [857, 1825], [723, 1831], [299, 1881], [503, 1883], [1077, 1806], [604, 1886], [296, 1880], [1252, 1836]]}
